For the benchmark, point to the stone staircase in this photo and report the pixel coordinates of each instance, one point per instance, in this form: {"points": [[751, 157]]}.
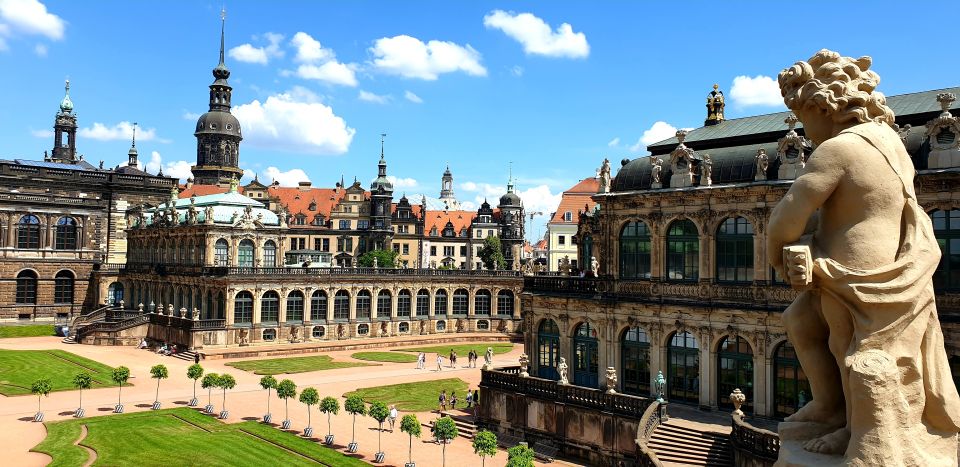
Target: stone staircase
{"points": [[185, 355], [465, 426], [677, 445]]}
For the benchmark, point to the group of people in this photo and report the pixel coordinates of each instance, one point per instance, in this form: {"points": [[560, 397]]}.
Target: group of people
{"points": [[472, 357], [472, 399]]}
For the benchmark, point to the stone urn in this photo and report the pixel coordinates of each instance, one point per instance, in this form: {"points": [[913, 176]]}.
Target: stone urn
{"points": [[611, 380], [737, 398], [524, 365]]}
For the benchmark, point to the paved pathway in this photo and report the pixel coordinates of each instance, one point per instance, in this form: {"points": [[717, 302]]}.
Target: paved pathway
{"points": [[247, 401]]}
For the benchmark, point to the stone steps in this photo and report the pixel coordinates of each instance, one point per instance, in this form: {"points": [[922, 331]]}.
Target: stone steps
{"points": [[679, 445]]}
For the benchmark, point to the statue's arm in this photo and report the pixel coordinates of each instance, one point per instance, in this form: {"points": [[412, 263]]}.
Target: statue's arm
{"points": [[789, 219]]}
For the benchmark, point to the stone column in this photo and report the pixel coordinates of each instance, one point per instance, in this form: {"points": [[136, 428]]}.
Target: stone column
{"points": [[657, 359], [329, 311], [471, 298], [210, 249], [657, 248], [432, 304], [256, 307], [394, 304], [761, 269], [234, 253], [282, 313], [706, 257], [353, 305], [761, 374], [228, 307], [708, 360]]}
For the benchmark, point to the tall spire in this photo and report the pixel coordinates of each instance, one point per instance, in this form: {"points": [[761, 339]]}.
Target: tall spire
{"points": [[133, 142], [510, 179], [382, 137], [66, 105], [132, 153], [221, 72], [223, 22]]}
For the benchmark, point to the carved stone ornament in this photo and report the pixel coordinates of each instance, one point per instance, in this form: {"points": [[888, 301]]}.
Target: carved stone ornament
{"points": [[681, 163], [792, 151], [524, 365], [611, 380], [737, 398], [943, 133], [656, 169], [763, 164]]}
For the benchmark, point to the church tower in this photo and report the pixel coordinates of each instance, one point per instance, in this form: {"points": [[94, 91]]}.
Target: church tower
{"points": [[65, 131], [447, 197], [218, 131], [381, 204]]}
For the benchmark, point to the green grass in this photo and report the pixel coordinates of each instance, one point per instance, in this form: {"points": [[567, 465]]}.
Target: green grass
{"points": [[276, 366], [20, 368], [415, 397], [31, 330], [462, 350], [390, 357], [181, 437]]}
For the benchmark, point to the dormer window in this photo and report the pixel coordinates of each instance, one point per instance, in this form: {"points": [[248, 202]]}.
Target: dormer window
{"points": [[568, 216], [313, 206], [433, 232], [300, 219]]}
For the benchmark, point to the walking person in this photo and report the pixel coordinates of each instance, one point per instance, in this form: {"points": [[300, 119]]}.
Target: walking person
{"points": [[439, 362], [469, 398], [453, 358], [476, 398], [393, 417], [443, 401], [196, 358], [453, 400]]}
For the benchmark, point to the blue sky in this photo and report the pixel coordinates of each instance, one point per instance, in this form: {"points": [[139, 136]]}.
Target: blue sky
{"points": [[553, 87]]}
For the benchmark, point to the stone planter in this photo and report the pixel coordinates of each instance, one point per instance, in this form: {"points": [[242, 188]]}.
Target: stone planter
{"points": [[352, 447], [118, 408], [267, 418], [378, 457], [208, 408], [308, 432], [328, 439], [285, 425], [193, 402], [78, 413]]}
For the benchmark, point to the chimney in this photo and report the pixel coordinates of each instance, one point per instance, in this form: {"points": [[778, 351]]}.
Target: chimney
{"points": [[304, 186]]}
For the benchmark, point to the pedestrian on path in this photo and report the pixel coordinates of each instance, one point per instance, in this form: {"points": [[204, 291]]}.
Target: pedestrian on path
{"points": [[439, 362], [196, 358], [453, 400], [393, 417], [443, 400], [421, 360], [453, 359], [469, 398]]}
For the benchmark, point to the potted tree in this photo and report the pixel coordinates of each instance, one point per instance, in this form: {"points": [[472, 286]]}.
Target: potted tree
{"points": [[81, 381], [520, 456], [120, 375], [330, 406], [285, 390], [411, 426], [379, 412], [225, 382], [445, 431], [354, 405], [268, 382], [310, 397], [210, 381], [194, 372], [485, 444], [40, 387], [158, 372]]}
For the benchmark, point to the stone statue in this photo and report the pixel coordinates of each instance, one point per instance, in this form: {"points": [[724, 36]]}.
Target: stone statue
{"points": [[183, 312], [655, 170], [763, 163], [208, 215], [376, 263], [865, 327], [170, 310], [611, 380], [295, 334], [595, 266], [340, 331], [565, 265], [422, 327], [562, 372], [383, 329], [605, 176], [242, 337], [488, 358], [524, 365], [706, 171], [459, 325], [196, 314]]}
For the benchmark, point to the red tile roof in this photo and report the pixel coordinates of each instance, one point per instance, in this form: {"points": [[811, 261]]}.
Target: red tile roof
{"points": [[203, 190], [439, 219], [575, 200]]}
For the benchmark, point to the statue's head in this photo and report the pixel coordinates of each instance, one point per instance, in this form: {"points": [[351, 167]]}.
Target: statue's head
{"points": [[843, 88]]}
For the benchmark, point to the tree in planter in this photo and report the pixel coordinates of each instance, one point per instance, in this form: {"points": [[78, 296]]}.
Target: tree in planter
{"points": [[446, 431], [385, 259], [268, 382], [225, 382], [158, 372], [309, 396], [379, 412], [286, 389], [82, 381], [354, 405], [411, 426], [210, 381], [120, 375], [520, 456], [41, 388], [194, 372], [330, 406], [485, 444], [491, 253]]}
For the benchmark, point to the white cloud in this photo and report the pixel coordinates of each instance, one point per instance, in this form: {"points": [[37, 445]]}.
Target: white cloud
{"points": [[29, 17], [309, 49], [539, 198], [42, 133], [485, 190], [536, 36], [294, 121], [657, 132], [399, 182], [412, 97], [122, 131], [289, 178], [261, 55], [187, 115], [40, 50], [613, 142], [375, 98], [411, 58], [517, 70], [757, 91], [330, 72], [319, 63], [178, 169]]}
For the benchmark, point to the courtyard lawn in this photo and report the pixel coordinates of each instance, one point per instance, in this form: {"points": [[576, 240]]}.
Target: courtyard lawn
{"points": [[462, 350], [31, 330], [389, 357], [181, 437], [276, 366], [415, 397], [20, 368]]}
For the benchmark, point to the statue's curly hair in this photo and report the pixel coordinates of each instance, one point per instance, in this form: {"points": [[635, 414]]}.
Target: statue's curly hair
{"points": [[842, 86]]}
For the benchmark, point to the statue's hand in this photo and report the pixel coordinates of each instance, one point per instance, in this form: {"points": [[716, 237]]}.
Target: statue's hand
{"points": [[798, 263]]}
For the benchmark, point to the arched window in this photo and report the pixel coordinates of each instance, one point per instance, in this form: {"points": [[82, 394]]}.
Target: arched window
{"points": [[404, 302], [635, 362], [586, 361], [341, 305], [222, 306], [635, 251], [245, 254], [505, 302], [791, 390], [28, 232], [27, 288], [403, 327], [269, 334], [115, 293], [441, 326], [440, 302], [683, 372], [243, 308], [548, 349], [221, 253], [683, 251], [483, 325], [318, 332], [363, 329], [734, 371], [270, 307], [363, 304], [946, 227], [461, 300], [735, 251], [269, 254], [481, 302], [384, 304], [318, 305], [423, 302], [66, 236], [295, 306], [63, 287]]}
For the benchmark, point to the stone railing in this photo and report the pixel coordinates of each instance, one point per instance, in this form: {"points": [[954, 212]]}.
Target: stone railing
{"points": [[187, 324], [655, 414], [8, 168], [175, 269], [752, 446]]}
